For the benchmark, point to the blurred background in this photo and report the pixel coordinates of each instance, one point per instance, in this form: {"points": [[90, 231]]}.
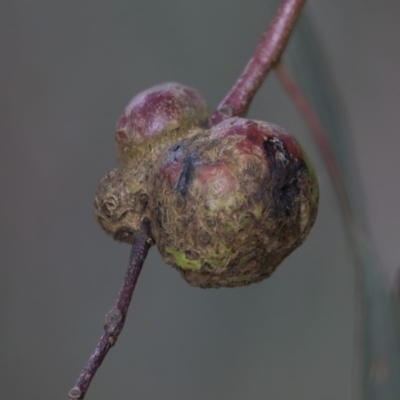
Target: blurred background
{"points": [[68, 68]]}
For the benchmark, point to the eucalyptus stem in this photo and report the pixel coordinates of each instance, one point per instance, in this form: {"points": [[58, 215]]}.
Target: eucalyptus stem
{"points": [[320, 139], [377, 339], [265, 57], [115, 319]]}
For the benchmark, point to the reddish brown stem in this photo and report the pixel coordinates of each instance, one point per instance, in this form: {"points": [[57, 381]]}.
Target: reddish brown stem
{"points": [[265, 57], [320, 138], [376, 334], [115, 319]]}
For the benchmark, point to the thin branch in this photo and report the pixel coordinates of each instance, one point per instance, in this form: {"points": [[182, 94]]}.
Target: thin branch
{"points": [[320, 138], [265, 57], [377, 337], [115, 319]]}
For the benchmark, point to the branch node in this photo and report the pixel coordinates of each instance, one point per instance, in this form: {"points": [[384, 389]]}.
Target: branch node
{"points": [[265, 58], [113, 318], [226, 111], [112, 340], [75, 393]]}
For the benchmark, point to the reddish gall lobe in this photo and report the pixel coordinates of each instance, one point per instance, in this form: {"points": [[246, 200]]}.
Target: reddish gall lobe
{"points": [[158, 111], [151, 122]]}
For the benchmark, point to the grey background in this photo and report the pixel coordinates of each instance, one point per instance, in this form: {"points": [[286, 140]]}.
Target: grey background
{"points": [[67, 70]]}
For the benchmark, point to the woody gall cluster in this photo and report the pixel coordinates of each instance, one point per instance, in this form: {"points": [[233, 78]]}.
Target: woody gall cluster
{"points": [[225, 204]]}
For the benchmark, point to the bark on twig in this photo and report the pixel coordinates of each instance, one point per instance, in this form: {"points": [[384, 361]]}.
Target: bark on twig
{"points": [[115, 319], [266, 55]]}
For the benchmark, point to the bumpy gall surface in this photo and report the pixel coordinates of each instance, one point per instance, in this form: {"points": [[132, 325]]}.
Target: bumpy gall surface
{"points": [[152, 121], [120, 204], [231, 203], [225, 205], [156, 118]]}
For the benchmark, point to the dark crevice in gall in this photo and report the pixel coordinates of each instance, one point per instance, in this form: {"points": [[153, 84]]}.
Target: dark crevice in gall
{"points": [[273, 148], [123, 234], [157, 218], [286, 174], [145, 226], [176, 147], [175, 152], [186, 175]]}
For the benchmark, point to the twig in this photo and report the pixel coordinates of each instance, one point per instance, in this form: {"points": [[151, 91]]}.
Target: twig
{"points": [[320, 138], [115, 319], [348, 217], [266, 55], [377, 337]]}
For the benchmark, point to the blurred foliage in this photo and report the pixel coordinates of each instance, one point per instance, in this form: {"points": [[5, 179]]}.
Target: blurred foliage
{"points": [[377, 371]]}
